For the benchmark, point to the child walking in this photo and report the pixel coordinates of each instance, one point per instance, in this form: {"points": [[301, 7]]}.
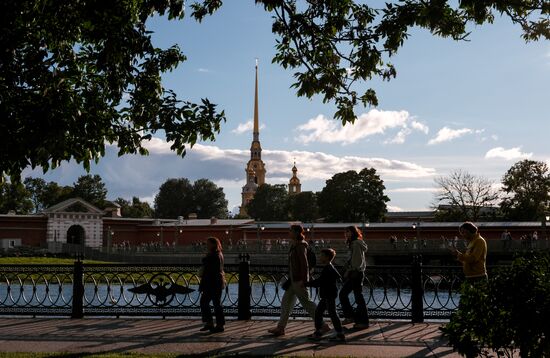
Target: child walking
{"points": [[328, 293]]}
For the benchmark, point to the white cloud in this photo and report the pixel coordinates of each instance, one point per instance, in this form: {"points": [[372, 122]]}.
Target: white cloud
{"points": [[420, 127], [447, 134], [325, 130], [203, 70], [394, 209], [507, 154], [148, 199], [245, 127], [311, 165], [413, 190], [399, 137]]}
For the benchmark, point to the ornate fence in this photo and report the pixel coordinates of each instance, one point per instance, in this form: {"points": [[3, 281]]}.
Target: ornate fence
{"points": [[399, 292]]}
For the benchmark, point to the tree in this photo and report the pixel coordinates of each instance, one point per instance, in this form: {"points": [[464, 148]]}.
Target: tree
{"points": [[527, 186], [134, 209], [465, 195], [14, 196], [209, 200], [270, 203], [175, 198], [353, 197], [178, 197], [36, 188], [54, 193], [77, 75], [334, 44], [91, 189], [303, 206], [44, 195]]}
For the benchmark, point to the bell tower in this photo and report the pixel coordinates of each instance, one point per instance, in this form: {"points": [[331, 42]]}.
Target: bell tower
{"points": [[255, 168], [294, 186]]}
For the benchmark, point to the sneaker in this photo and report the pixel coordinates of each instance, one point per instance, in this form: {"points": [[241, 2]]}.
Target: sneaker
{"points": [[348, 321], [339, 337], [316, 336], [207, 327], [217, 329], [277, 332], [325, 329], [361, 326]]}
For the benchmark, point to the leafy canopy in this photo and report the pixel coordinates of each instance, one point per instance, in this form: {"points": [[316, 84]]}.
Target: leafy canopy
{"points": [[76, 76], [270, 203], [510, 314], [79, 75], [353, 197], [335, 44], [527, 187], [134, 209], [180, 197]]}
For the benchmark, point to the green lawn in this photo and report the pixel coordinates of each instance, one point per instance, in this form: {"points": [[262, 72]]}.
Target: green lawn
{"points": [[43, 261], [88, 355], [103, 355]]}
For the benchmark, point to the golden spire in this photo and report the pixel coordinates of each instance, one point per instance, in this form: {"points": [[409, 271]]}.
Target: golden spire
{"points": [[256, 133]]}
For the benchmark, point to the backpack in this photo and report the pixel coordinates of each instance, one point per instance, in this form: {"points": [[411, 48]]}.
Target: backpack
{"points": [[311, 258]]}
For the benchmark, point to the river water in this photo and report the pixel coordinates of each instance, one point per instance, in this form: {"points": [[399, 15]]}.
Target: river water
{"points": [[265, 295]]}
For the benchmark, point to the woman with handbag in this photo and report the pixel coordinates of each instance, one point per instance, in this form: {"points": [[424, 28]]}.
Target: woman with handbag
{"points": [[212, 285]]}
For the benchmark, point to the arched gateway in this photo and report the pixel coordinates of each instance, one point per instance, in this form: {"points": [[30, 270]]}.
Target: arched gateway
{"points": [[76, 235]]}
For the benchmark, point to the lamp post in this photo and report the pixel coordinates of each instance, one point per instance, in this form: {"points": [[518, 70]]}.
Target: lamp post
{"points": [[545, 227], [366, 224], [109, 239], [260, 227], [416, 227], [180, 231]]}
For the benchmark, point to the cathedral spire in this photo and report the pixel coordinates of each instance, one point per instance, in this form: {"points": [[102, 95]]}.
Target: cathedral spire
{"points": [[255, 168], [256, 133]]}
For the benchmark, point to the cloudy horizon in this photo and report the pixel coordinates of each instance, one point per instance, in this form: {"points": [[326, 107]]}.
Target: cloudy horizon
{"points": [[479, 106]]}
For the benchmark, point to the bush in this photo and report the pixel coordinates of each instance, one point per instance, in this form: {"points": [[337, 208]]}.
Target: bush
{"points": [[509, 314]]}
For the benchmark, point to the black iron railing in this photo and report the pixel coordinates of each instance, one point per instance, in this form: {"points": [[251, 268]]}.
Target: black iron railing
{"points": [[400, 292]]}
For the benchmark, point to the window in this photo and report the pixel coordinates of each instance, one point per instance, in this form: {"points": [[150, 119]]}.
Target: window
{"points": [[11, 244]]}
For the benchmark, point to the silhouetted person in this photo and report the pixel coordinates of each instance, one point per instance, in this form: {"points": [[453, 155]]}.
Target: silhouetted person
{"points": [[354, 275], [212, 285], [328, 292], [295, 286], [473, 259]]}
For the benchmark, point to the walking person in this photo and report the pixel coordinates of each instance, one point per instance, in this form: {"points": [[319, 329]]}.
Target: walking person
{"points": [[473, 259], [354, 275], [328, 292], [295, 285], [212, 285]]}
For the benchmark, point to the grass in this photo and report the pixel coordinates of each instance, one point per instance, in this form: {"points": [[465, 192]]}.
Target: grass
{"points": [[108, 355], [43, 261], [88, 355]]}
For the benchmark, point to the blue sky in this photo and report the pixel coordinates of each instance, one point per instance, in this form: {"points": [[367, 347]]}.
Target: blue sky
{"points": [[479, 105]]}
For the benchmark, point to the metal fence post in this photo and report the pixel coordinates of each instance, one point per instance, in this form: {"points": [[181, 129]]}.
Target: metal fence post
{"points": [[417, 297], [78, 289], [244, 288]]}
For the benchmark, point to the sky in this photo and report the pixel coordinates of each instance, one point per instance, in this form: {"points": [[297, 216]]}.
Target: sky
{"points": [[477, 105]]}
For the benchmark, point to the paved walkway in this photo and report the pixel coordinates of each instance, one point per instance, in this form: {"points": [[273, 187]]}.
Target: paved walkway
{"points": [[382, 339]]}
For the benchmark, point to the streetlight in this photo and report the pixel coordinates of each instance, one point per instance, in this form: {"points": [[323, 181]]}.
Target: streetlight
{"points": [[545, 227], [180, 231], [109, 239], [259, 227], [366, 224], [416, 227]]}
